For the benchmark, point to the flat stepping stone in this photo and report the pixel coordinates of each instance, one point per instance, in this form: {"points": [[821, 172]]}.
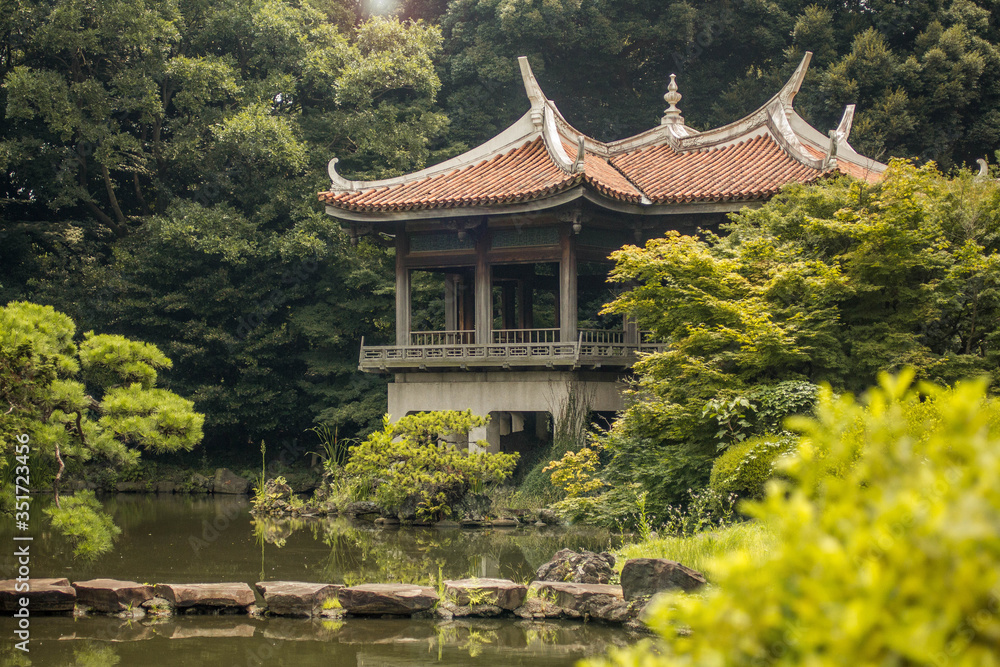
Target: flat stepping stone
{"points": [[207, 595], [601, 601], [506, 523], [111, 596], [502, 593], [643, 577], [296, 598], [394, 599], [44, 595]]}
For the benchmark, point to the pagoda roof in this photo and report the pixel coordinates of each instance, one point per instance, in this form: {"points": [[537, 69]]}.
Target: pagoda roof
{"points": [[542, 161]]}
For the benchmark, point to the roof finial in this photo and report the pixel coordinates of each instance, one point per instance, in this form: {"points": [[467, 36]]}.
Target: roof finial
{"points": [[672, 115]]}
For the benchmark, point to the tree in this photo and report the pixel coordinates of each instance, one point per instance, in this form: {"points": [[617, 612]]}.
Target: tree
{"points": [[891, 561], [415, 467], [95, 398], [209, 126], [833, 282]]}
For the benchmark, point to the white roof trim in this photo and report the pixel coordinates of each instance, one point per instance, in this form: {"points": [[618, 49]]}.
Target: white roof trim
{"points": [[520, 132]]}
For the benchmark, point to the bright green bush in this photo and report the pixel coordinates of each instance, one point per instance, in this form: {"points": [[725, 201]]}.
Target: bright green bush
{"points": [[744, 468], [894, 561], [413, 463]]}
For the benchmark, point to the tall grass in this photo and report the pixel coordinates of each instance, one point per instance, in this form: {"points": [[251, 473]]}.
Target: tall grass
{"points": [[699, 550]]}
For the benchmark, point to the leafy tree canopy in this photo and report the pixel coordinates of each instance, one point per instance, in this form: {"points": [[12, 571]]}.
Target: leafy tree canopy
{"points": [[96, 398]]}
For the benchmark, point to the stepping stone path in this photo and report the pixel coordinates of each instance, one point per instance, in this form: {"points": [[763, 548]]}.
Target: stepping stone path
{"points": [[111, 596], [394, 599], [45, 595], [643, 577], [502, 593], [229, 595], [296, 598]]}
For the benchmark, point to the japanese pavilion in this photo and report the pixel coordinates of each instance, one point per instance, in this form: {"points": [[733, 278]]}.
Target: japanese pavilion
{"points": [[517, 232]]}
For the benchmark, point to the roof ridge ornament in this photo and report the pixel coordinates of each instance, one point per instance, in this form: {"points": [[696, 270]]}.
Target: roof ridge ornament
{"points": [[788, 91], [581, 153], [847, 120], [337, 182], [672, 115], [533, 90]]}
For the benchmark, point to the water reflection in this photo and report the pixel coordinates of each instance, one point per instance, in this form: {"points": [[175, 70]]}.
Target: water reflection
{"points": [[180, 538], [276, 641], [362, 552]]}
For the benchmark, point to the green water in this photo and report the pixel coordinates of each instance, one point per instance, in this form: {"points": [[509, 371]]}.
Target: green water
{"points": [[189, 539]]}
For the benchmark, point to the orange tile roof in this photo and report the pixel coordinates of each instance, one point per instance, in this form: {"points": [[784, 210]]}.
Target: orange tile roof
{"points": [[523, 173], [750, 169], [849, 168]]}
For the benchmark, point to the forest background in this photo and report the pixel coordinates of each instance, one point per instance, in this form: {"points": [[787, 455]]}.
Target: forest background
{"points": [[160, 160]]}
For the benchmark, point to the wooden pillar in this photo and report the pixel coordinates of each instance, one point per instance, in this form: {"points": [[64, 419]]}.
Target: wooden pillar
{"points": [[484, 295], [567, 288], [631, 330], [402, 290], [451, 300]]}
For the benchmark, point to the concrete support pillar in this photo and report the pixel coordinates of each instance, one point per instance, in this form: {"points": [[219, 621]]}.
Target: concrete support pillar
{"points": [[484, 295], [567, 289], [477, 434], [402, 292]]}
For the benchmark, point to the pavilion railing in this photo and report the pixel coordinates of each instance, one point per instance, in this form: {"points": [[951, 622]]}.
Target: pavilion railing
{"points": [[424, 338], [514, 336], [526, 347]]}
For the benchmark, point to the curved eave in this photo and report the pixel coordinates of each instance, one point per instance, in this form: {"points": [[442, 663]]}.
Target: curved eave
{"points": [[551, 200]]}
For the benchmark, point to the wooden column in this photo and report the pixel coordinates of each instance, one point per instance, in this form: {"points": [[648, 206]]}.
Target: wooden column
{"points": [[484, 294], [451, 299], [631, 330], [567, 288], [402, 290]]}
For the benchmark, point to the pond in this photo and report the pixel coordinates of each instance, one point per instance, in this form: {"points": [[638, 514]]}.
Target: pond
{"points": [[187, 539]]}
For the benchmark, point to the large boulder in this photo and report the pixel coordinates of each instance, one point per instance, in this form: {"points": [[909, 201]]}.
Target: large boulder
{"points": [[226, 481], [44, 595], [361, 508], [554, 599], [644, 577], [395, 599], [296, 598], [502, 593], [584, 567], [111, 595], [225, 595]]}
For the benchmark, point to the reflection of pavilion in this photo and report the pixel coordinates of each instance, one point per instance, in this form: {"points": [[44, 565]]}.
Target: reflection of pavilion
{"points": [[517, 232]]}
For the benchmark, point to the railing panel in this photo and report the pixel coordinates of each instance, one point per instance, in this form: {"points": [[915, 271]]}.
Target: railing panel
{"points": [[602, 336], [424, 338], [520, 336]]}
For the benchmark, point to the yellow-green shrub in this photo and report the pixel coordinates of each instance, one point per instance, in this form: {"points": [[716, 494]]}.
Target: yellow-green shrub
{"points": [[744, 468], [412, 461], [893, 561]]}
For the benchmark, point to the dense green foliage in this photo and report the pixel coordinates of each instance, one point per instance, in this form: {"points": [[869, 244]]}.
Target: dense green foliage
{"points": [[891, 562], [826, 283], [413, 467], [95, 399], [744, 469], [160, 164]]}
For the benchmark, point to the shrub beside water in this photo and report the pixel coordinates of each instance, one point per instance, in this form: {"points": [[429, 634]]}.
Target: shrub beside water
{"points": [[891, 561]]}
